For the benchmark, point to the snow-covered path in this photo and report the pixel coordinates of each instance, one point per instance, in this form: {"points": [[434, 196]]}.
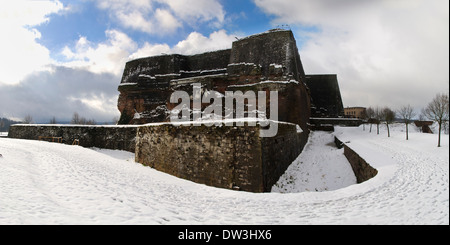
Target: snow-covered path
{"points": [[419, 187], [320, 167], [49, 183]]}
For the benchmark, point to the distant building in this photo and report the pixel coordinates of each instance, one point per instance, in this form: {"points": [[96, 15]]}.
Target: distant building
{"points": [[355, 112], [424, 126]]}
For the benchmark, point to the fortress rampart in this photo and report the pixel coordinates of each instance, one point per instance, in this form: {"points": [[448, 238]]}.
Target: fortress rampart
{"points": [[262, 61], [225, 156]]}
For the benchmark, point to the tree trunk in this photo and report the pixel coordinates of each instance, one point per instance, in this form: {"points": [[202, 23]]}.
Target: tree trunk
{"points": [[387, 125], [439, 137], [406, 131]]}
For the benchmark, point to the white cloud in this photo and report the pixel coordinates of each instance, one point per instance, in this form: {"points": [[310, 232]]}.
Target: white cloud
{"points": [[384, 52], [151, 50], [61, 92], [20, 52], [195, 43], [109, 56], [87, 82], [162, 16], [197, 10], [166, 20], [28, 13]]}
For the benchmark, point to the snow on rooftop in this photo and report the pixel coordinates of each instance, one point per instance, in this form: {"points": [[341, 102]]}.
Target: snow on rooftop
{"points": [[264, 82]]}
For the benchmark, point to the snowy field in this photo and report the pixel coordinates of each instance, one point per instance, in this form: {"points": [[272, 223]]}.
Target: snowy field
{"points": [[50, 183]]}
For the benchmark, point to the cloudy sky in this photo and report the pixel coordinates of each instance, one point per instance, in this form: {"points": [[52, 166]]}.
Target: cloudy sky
{"points": [[59, 56]]}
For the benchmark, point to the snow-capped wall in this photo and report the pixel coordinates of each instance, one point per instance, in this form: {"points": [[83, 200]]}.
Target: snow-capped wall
{"points": [[221, 156], [148, 83], [361, 168], [108, 137]]}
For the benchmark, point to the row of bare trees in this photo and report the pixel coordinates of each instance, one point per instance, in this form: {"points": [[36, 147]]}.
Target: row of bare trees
{"points": [[380, 114], [76, 119], [437, 110]]}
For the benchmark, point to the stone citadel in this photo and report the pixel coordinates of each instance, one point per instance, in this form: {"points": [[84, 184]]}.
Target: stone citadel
{"points": [[230, 157], [234, 157]]}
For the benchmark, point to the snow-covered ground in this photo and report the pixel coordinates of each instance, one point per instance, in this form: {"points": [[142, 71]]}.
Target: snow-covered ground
{"points": [[50, 183], [320, 167]]}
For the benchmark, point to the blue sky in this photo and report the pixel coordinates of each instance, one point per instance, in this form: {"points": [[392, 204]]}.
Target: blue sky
{"points": [[86, 19], [60, 56]]}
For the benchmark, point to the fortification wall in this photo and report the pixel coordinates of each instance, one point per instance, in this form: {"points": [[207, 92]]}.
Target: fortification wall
{"points": [[272, 56], [108, 137], [326, 100], [221, 156], [175, 65], [209, 61], [293, 98], [361, 168], [272, 47]]}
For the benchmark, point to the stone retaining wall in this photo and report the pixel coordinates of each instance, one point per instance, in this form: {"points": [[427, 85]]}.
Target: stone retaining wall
{"points": [[108, 137], [363, 171], [221, 156], [233, 157]]}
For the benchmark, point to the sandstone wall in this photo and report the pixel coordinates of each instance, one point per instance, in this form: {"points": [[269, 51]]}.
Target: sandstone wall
{"points": [[280, 151], [108, 137], [222, 156], [363, 171], [327, 124], [226, 157], [272, 56], [179, 65], [326, 101], [272, 47]]}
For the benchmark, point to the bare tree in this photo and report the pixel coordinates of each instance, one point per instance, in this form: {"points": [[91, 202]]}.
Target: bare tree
{"points": [[406, 113], [370, 113], [115, 120], [28, 119], [76, 118], [388, 116], [438, 111], [89, 122], [53, 120], [378, 114]]}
